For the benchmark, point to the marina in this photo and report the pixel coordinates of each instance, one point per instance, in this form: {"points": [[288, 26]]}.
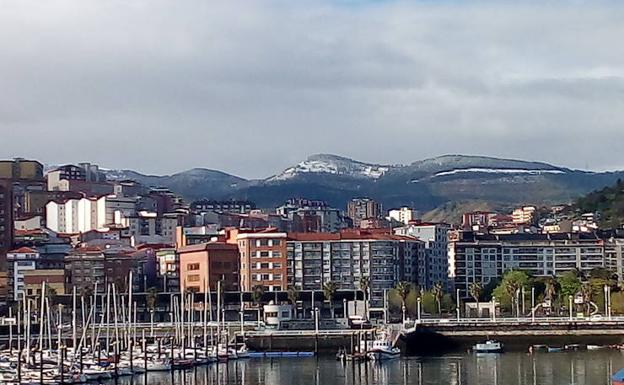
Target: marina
{"points": [[579, 368]]}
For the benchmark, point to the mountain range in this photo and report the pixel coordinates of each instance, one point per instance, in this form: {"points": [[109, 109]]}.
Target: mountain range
{"points": [[430, 184]]}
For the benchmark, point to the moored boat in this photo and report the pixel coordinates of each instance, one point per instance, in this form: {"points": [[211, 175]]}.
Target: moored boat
{"points": [[618, 377]]}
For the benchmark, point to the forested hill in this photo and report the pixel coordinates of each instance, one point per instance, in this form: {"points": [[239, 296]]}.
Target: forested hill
{"points": [[608, 202]]}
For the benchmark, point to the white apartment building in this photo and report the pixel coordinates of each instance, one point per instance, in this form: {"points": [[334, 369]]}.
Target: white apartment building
{"points": [[21, 260], [76, 215], [524, 215], [434, 266], [81, 215], [404, 215], [148, 227]]}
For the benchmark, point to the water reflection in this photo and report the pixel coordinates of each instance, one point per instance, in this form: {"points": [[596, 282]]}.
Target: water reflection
{"points": [[578, 368]]}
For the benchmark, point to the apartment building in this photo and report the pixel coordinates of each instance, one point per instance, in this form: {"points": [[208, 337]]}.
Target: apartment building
{"points": [[27, 260], [433, 266], [263, 260], [524, 215], [105, 262], [346, 257], [168, 269], [6, 220], [232, 206], [207, 264], [148, 227], [403, 215], [483, 257], [359, 209]]}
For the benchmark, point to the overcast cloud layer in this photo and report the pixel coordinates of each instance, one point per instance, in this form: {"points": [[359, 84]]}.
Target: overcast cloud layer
{"points": [[250, 87]]}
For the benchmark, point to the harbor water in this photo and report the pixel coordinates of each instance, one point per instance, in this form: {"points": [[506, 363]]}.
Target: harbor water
{"points": [[565, 368]]}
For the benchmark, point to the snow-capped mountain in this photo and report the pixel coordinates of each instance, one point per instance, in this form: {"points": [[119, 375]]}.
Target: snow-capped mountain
{"points": [[332, 164], [424, 184]]}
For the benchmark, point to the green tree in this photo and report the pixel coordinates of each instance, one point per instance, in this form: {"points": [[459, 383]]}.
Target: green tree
{"points": [[475, 290], [587, 292], [507, 290], [365, 287], [569, 284], [602, 273], [329, 292], [257, 292], [403, 289], [438, 293], [293, 297]]}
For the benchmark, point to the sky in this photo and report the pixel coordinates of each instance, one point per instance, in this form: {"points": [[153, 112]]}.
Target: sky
{"points": [[252, 87]]}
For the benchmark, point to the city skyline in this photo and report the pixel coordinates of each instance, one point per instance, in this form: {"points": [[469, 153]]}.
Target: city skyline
{"points": [[225, 86]]}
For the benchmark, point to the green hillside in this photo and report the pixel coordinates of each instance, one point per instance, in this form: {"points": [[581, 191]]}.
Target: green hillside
{"points": [[608, 202]]}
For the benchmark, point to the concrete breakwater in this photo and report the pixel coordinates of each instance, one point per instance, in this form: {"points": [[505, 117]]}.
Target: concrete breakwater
{"points": [[438, 337]]}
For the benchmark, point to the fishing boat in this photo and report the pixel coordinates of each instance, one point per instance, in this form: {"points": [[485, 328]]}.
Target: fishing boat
{"points": [[382, 349], [489, 346]]}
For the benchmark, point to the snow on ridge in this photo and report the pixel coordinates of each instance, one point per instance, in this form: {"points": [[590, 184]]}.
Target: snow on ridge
{"points": [[499, 171], [319, 166]]}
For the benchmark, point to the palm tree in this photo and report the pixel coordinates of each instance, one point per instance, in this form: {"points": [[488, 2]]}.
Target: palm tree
{"points": [[151, 299], [475, 290], [257, 292], [365, 287], [586, 293], [550, 291], [438, 294], [329, 291], [403, 289], [511, 288], [293, 297]]}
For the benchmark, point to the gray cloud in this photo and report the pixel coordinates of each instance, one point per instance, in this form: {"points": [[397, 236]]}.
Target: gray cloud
{"points": [[250, 87]]}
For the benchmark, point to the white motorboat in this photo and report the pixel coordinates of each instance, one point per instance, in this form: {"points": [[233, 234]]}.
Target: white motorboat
{"points": [[489, 346]]}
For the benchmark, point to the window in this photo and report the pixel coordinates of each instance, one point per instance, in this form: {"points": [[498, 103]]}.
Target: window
{"points": [[193, 278], [192, 266]]}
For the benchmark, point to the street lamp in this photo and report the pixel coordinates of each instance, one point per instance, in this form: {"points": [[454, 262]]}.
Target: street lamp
{"points": [[457, 304], [418, 302], [316, 320], [493, 309], [606, 299], [532, 304]]}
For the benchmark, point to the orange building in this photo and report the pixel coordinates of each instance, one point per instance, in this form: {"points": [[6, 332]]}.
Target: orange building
{"points": [[263, 260], [208, 263]]}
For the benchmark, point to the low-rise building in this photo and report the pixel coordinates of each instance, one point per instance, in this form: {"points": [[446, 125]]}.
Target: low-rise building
{"points": [[205, 264], [54, 279]]}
